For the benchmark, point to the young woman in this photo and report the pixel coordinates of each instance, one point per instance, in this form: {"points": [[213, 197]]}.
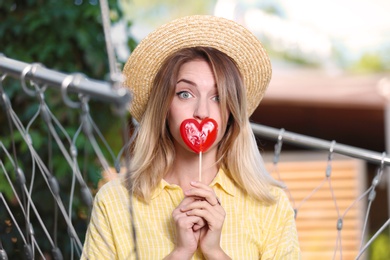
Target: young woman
{"points": [[196, 67]]}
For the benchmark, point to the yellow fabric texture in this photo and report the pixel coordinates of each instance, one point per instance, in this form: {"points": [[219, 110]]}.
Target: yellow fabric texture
{"points": [[251, 230]]}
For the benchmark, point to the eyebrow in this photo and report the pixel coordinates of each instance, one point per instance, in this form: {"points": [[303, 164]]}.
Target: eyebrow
{"points": [[186, 81], [190, 82]]}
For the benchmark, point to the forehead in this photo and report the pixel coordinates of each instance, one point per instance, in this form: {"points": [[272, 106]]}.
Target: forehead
{"points": [[197, 72], [195, 66]]}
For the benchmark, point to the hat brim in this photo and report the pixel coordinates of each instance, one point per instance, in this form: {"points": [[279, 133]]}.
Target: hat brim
{"points": [[204, 31]]}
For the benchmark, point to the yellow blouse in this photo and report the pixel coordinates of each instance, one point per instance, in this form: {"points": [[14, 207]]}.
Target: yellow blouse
{"points": [[251, 230]]}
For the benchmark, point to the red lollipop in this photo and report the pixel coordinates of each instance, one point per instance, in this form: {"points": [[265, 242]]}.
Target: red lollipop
{"points": [[199, 136]]}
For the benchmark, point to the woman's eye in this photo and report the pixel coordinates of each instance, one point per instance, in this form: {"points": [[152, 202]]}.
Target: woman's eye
{"points": [[216, 98], [184, 94]]}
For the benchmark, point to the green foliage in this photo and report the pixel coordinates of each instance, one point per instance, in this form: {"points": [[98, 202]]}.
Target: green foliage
{"points": [[369, 63], [59, 34], [379, 249], [66, 36]]}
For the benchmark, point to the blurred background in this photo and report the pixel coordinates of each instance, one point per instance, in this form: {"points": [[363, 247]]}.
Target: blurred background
{"points": [[331, 80]]}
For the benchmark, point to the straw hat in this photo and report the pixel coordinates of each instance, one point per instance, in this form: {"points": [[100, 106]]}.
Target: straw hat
{"points": [[199, 30]]}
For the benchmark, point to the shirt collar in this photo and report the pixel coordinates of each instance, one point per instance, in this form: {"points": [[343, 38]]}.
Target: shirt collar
{"points": [[161, 186], [224, 182], [221, 181]]}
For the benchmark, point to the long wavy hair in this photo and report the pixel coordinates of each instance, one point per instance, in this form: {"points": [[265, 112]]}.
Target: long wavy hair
{"points": [[153, 153]]}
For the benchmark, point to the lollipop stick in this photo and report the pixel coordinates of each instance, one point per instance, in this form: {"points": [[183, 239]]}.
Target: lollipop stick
{"points": [[200, 166]]}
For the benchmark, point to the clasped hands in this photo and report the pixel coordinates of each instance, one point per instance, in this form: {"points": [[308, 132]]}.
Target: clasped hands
{"points": [[198, 220]]}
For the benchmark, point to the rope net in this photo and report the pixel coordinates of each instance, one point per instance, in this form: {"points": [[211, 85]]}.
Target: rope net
{"points": [[49, 171]]}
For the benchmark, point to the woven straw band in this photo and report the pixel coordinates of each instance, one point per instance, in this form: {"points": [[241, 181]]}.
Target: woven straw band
{"points": [[204, 31]]}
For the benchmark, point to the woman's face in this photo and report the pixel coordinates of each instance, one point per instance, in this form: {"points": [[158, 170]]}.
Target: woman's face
{"points": [[196, 97]]}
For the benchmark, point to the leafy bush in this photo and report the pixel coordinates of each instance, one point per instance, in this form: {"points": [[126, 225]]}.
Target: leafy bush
{"points": [[66, 36]]}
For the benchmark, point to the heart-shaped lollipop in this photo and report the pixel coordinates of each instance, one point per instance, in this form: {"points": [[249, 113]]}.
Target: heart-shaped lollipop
{"points": [[199, 136]]}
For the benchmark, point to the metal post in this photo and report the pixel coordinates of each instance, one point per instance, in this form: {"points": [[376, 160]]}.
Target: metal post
{"points": [[387, 137], [383, 88]]}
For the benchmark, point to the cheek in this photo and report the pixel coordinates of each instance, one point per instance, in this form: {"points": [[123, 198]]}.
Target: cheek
{"points": [[173, 116]]}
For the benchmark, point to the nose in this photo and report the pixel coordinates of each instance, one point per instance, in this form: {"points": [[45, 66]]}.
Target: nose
{"points": [[201, 110]]}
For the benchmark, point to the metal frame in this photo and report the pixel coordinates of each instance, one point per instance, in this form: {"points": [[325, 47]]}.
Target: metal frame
{"points": [[101, 90], [316, 143]]}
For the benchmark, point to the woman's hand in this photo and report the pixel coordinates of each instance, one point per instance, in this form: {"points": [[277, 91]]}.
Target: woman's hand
{"points": [[206, 205], [187, 231]]}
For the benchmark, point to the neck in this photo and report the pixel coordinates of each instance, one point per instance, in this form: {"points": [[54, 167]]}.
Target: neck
{"points": [[186, 169]]}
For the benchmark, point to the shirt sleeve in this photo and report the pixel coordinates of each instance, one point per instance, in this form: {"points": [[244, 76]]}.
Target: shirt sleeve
{"points": [[99, 243], [282, 239]]}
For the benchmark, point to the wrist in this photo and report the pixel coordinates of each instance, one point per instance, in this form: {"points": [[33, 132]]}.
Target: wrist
{"points": [[216, 254], [178, 254]]}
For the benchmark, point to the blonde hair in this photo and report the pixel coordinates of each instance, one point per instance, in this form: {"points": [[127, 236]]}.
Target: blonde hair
{"points": [[153, 153]]}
